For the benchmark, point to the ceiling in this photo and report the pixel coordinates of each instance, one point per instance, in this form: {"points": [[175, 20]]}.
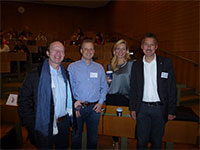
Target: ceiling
{"points": [[71, 3]]}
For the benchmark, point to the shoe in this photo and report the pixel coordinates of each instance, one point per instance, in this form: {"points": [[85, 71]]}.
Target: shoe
{"points": [[116, 145]]}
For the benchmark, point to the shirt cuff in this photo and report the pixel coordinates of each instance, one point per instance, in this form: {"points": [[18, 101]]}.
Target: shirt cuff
{"points": [[101, 101]]}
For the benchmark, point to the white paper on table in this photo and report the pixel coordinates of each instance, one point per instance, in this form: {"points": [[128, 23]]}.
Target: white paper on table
{"points": [[12, 100]]}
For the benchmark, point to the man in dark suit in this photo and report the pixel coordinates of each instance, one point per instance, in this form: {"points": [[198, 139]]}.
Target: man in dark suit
{"points": [[153, 94], [45, 102]]}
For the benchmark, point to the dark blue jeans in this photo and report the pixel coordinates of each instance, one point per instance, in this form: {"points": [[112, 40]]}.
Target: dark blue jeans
{"points": [[150, 126], [91, 118]]}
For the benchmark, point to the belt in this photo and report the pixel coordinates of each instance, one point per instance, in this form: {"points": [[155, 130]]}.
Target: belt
{"points": [[88, 103], [153, 103], [85, 104], [58, 120]]}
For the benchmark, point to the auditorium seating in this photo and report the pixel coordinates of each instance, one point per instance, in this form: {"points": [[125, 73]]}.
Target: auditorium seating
{"points": [[184, 129], [4, 63], [10, 129], [41, 43], [103, 53]]}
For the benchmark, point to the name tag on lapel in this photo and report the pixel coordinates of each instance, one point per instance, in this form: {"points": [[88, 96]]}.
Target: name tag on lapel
{"points": [[93, 75], [164, 75]]}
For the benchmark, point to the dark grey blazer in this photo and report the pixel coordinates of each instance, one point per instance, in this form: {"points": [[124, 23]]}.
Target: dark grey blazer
{"points": [[27, 102], [166, 86]]}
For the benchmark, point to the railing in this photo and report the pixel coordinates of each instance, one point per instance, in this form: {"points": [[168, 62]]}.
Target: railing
{"points": [[180, 57]]}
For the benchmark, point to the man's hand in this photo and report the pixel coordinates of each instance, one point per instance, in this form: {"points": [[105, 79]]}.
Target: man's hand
{"points": [[171, 117], [97, 107], [133, 115], [76, 105]]}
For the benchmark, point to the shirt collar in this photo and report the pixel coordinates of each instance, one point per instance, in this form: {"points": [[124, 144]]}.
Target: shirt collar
{"points": [[153, 61], [54, 71], [84, 62]]}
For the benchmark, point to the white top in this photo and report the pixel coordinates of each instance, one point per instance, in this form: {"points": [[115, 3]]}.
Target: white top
{"points": [[150, 81], [4, 49]]}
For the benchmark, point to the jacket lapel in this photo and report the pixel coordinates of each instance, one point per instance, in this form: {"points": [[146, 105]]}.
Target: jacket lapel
{"points": [[141, 74], [159, 70]]}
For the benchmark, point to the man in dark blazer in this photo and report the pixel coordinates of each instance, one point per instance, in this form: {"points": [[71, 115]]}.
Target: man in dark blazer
{"points": [[45, 102], [153, 94]]}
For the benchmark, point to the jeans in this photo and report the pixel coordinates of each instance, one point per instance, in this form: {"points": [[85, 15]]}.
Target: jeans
{"points": [[91, 118], [150, 126]]}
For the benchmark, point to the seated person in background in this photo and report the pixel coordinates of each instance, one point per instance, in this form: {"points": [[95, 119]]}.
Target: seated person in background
{"points": [[20, 47], [9, 34], [41, 36], [14, 35], [30, 39], [119, 90], [79, 36], [6, 39], [22, 37], [25, 33], [73, 40], [99, 39], [3, 47]]}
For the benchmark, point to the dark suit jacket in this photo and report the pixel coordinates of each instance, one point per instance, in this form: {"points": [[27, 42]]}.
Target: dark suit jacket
{"points": [[166, 86], [27, 101]]}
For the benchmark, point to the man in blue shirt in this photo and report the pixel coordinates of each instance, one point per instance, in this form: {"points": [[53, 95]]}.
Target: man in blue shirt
{"points": [[89, 87]]}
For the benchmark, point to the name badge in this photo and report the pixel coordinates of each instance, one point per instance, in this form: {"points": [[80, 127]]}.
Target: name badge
{"points": [[93, 75], [164, 75]]}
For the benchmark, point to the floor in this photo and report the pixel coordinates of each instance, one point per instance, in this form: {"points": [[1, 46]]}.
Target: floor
{"points": [[105, 142]]}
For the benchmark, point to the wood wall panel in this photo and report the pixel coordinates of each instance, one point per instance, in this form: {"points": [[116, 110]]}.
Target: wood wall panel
{"points": [[58, 22], [176, 23], [185, 72]]}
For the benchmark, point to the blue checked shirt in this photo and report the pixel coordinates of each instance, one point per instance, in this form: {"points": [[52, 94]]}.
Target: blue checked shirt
{"points": [[88, 82]]}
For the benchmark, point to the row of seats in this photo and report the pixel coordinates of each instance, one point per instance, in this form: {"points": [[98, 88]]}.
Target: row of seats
{"points": [[184, 129], [10, 129], [39, 43], [106, 47], [103, 53], [6, 59]]}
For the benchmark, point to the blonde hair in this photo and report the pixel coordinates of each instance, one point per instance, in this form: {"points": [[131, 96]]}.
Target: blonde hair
{"points": [[114, 62]]}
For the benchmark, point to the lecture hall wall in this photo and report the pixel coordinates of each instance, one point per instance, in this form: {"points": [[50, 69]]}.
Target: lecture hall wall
{"points": [[176, 23]]}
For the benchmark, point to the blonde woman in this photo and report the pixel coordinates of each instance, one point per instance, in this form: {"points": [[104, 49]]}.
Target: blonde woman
{"points": [[119, 90]]}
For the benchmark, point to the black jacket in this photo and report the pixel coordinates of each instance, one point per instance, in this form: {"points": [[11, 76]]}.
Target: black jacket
{"points": [[27, 100], [166, 87]]}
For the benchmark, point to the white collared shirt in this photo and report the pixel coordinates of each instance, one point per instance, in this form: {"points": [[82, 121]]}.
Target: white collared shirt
{"points": [[150, 81], [59, 96], [59, 92]]}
